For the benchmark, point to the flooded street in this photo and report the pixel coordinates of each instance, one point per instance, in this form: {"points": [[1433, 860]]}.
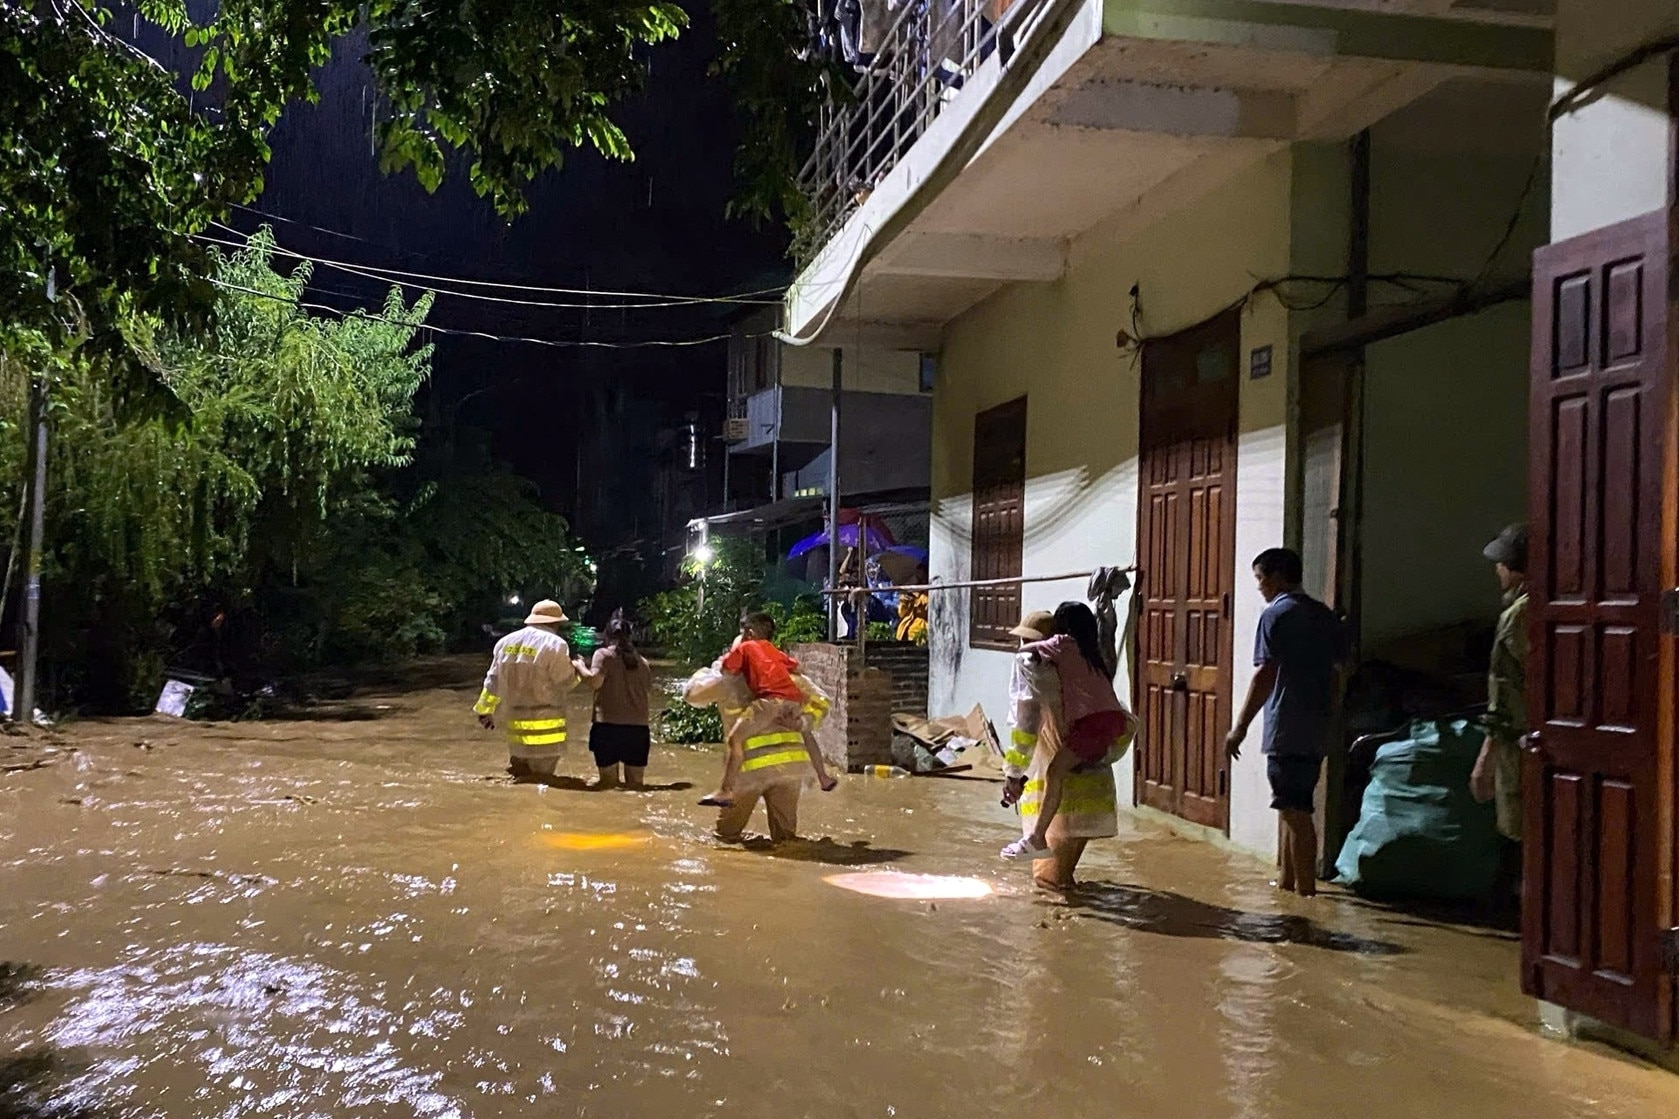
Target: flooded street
{"points": [[358, 915]]}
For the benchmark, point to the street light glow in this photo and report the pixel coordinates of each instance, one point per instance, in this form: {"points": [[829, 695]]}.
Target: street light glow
{"points": [[704, 554]]}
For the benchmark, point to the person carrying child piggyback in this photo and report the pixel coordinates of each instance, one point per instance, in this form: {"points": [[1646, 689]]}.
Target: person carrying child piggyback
{"points": [[778, 704], [1098, 729]]}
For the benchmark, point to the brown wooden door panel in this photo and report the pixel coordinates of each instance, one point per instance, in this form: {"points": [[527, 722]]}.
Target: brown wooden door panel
{"points": [[1187, 541], [1597, 817]]}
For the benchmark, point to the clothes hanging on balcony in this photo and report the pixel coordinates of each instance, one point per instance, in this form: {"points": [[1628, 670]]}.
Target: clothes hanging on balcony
{"points": [[944, 40], [877, 17], [822, 28], [848, 15]]}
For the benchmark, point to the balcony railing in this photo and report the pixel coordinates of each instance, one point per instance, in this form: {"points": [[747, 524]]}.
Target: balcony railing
{"points": [[931, 49]]}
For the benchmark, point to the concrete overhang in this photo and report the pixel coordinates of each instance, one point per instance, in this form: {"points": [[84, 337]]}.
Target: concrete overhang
{"points": [[1120, 111]]}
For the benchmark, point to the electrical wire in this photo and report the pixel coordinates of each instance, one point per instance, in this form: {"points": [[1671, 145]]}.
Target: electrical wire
{"points": [[1513, 224], [787, 339], [399, 276], [1576, 94], [252, 210], [376, 275], [457, 333], [1571, 100]]}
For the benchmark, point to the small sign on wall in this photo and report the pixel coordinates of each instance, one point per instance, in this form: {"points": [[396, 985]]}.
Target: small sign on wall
{"points": [[1259, 363]]}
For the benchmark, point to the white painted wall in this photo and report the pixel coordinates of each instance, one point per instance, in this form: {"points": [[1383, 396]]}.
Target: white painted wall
{"points": [[1609, 159], [1262, 491], [1056, 343]]}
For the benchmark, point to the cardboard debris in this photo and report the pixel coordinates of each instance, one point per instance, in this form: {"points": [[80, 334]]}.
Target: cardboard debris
{"points": [[928, 745]]}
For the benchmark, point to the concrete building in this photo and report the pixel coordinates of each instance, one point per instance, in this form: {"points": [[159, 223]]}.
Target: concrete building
{"points": [[1209, 276], [780, 417]]}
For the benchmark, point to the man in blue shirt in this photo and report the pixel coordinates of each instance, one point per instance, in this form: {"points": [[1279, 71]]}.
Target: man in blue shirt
{"points": [[1296, 648]]}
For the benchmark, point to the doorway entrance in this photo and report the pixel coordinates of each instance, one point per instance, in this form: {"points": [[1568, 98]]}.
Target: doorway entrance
{"points": [[1187, 509]]}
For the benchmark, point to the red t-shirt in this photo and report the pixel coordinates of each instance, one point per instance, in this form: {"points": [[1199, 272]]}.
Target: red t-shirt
{"points": [[768, 671]]}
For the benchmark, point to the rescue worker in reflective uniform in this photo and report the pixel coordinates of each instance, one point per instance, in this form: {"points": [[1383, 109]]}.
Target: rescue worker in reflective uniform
{"points": [[1089, 805], [525, 692]]}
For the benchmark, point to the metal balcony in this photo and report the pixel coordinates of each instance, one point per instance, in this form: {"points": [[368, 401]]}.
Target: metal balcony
{"points": [[931, 49]]}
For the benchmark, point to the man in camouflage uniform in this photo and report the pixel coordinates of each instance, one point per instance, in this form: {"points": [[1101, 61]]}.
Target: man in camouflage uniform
{"points": [[1498, 771]]}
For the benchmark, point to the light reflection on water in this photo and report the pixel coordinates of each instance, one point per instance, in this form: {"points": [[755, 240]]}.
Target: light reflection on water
{"points": [[370, 929], [260, 1034]]}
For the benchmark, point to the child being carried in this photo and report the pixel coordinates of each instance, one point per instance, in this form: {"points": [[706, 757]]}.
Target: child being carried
{"points": [[1098, 728], [776, 700]]}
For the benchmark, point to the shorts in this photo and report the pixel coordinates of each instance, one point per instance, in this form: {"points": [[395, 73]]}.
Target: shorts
{"points": [[620, 744], [1294, 782], [1093, 736]]}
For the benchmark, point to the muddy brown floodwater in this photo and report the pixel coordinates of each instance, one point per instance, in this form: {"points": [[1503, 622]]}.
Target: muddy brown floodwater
{"points": [[357, 915]]}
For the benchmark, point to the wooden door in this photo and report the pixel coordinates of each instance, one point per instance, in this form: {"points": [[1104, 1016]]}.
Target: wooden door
{"points": [[1187, 543], [1598, 819]]}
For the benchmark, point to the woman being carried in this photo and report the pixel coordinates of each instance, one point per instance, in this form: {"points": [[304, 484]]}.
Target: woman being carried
{"points": [[1097, 729]]}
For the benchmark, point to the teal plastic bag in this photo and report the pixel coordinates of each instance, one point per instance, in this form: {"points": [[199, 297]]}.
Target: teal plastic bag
{"points": [[1420, 834]]}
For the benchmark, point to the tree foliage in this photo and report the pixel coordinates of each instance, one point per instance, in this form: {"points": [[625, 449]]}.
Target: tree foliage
{"points": [[279, 494], [109, 167], [696, 621], [696, 627], [779, 87]]}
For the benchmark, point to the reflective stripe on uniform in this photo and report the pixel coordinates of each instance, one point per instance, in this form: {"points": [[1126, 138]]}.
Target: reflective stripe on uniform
{"points": [[1089, 795], [1070, 806], [817, 708], [777, 738], [1021, 745], [785, 757], [537, 732], [486, 704], [764, 751]]}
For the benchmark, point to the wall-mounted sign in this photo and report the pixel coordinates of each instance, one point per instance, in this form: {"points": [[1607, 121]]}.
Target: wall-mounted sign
{"points": [[1259, 363]]}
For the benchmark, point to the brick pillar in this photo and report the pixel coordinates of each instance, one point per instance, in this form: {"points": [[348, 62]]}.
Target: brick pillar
{"points": [[859, 725]]}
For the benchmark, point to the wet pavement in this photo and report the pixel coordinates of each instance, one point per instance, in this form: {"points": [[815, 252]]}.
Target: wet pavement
{"points": [[357, 915]]}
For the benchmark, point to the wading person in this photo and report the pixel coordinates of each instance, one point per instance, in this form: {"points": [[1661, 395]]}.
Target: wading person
{"points": [[771, 749], [1089, 808], [525, 692], [1296, 649], [778, 707], [1498, 770], [622, 681], [1096, 728]]}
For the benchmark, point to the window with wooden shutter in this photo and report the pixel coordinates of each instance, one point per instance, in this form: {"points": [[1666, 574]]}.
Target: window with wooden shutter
{"points": [[999, 532]]}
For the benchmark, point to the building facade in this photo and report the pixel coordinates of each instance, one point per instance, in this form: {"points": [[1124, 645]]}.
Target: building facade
{"points": [[780, 408], [1209, 276]]}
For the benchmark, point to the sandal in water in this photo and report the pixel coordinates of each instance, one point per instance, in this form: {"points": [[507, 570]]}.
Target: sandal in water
{"points": [[1024, 847]]}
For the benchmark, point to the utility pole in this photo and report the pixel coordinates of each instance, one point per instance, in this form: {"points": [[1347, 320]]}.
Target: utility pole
{"points": [[29, 618], [29, 623], [834, 495]]}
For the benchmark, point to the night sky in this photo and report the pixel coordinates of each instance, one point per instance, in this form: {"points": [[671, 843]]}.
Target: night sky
{"points": [[655, 224]]}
